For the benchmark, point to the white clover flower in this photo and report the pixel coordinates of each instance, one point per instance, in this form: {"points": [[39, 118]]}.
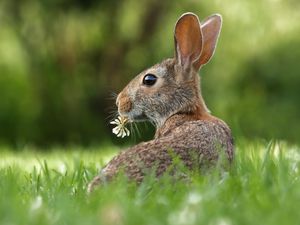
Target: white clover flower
{"points": [[120, 130]]}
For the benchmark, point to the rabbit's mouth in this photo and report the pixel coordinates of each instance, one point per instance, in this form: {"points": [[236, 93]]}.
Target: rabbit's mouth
{"points": [[136, 117], [140, 117]]}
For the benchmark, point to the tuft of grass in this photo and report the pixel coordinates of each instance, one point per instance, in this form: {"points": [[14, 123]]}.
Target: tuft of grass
{"points": [[261, 187]]}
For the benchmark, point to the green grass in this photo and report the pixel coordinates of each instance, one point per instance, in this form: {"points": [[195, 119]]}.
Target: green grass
{"points": [[262, 187]]}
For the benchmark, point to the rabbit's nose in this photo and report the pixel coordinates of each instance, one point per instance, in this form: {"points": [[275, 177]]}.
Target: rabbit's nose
{"points": [[123, 103]]}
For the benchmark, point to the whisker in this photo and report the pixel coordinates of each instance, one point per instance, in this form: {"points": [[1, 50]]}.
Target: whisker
{"points": [[133, 137], [146, 125], [137, 130], [112, 96], [111, 116], [111, 109]]}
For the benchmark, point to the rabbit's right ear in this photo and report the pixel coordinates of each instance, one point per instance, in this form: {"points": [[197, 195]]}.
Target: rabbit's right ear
{"points": [[188, 40], [210, 28]]}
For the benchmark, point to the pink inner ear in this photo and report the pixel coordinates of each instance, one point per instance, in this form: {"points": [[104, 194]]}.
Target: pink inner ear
{"points": [[210, 30], [188, 39]]}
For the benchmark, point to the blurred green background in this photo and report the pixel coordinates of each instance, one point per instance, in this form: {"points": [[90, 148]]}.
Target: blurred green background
{"points": [[61, 60]]}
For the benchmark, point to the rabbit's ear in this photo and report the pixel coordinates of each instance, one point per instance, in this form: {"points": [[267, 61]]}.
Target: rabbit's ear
{"points": [[188, 40], [211, 28]]}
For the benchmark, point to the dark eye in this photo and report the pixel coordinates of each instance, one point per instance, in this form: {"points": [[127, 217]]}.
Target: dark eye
{"points": [[149, 79]]}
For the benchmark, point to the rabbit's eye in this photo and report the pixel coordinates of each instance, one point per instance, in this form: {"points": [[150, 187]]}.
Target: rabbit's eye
{"points": [[149, 79]]}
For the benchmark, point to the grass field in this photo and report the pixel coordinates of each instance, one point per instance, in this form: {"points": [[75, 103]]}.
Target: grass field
{"points": [[262, 187]]}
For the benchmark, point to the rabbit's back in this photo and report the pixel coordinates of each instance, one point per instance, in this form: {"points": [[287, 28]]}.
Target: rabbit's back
{"points": [[198, 144], [208, 138]]}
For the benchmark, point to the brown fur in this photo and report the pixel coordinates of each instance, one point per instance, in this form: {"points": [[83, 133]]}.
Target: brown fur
{"points": [[175, 105]]}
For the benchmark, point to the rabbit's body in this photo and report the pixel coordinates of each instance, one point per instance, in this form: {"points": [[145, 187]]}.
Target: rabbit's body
{"points": [[198, 143], [169, 95]]}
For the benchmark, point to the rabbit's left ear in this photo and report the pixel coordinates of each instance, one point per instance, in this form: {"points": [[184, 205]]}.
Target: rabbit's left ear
{"points": [[210, 28], [188, 40]]}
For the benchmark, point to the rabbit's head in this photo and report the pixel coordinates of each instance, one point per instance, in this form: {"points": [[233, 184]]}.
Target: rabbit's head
{"points": [[172, 86]]}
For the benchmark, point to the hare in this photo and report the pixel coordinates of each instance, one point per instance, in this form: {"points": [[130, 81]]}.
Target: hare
{"points": [[169, 95]]}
